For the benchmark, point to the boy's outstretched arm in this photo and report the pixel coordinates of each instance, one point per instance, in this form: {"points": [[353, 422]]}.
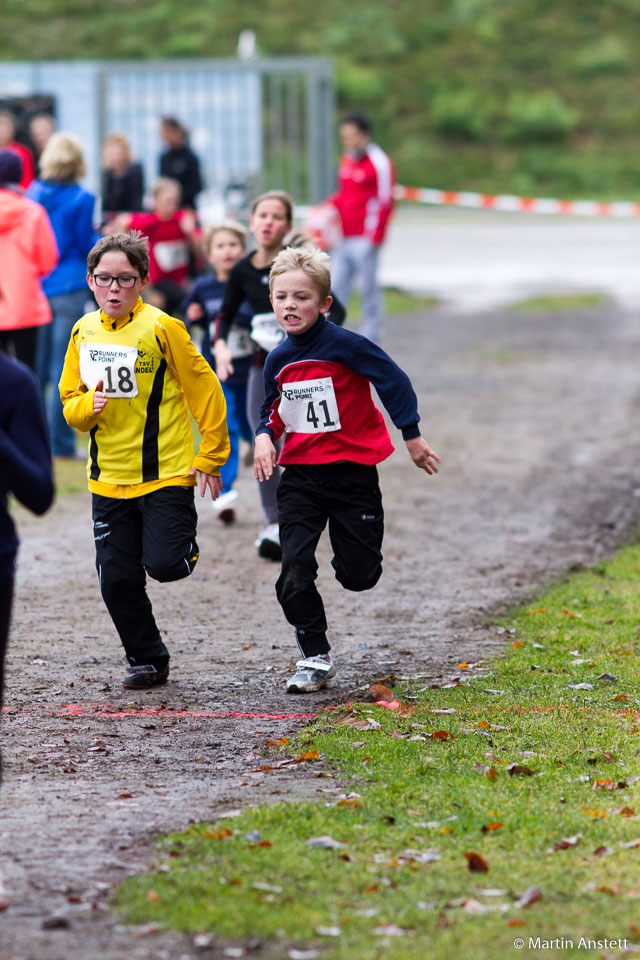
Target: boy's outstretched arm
{"points": [[422, 455], [264, 457]]}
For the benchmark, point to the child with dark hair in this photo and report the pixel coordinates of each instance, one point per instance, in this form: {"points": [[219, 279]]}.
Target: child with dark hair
{"points": [[131, 378]]}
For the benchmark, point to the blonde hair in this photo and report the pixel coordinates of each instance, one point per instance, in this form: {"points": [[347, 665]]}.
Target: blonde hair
{"points": [[166, 183], [233, 226], [281, 195], [119, 140], [309, 259], [62, 158]]}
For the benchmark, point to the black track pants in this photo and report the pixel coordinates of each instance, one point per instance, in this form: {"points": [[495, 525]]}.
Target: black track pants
{"points": [[347, 495], [155, 533]]}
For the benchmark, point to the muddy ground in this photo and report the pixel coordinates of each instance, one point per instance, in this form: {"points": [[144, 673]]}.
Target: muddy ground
{"points": [[535, 417]]}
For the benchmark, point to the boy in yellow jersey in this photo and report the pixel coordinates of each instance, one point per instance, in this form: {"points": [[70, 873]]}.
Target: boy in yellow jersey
{"points": [[131, 375]]}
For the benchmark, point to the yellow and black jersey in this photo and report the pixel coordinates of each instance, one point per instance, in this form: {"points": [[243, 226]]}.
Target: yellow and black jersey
{"points": [[153, 375]]}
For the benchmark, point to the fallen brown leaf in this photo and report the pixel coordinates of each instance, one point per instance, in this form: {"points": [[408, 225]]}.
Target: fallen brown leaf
{"points": [[476, 863], [530, 895], [604, 784], [567, 842], [518, 770], [378, 691], [222, 834]]}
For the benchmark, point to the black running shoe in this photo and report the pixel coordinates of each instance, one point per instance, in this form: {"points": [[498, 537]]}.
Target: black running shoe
{"points": [[145, 675]]}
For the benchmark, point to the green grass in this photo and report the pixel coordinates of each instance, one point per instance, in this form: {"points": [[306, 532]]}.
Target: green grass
{"points": [[396, 302], [425, 796], [567, 301]]}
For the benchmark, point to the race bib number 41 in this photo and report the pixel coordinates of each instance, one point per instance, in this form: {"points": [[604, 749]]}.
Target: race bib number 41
{"points": [[309, 406], [114, 365]]}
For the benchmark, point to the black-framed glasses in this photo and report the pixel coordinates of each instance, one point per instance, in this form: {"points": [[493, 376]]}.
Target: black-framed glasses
{"points": [[126, 281]]}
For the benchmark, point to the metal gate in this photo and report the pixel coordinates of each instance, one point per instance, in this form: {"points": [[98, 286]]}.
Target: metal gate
{"points": [[265, 123]]}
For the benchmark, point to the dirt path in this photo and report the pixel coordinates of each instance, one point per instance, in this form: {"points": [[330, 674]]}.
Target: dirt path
{"points": [[535, 419]]}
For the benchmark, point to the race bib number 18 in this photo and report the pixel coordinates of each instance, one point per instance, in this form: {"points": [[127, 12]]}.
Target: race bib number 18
{"points": [[309, 406], [114, 365]]}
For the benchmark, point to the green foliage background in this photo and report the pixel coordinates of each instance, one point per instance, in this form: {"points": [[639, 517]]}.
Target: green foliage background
{"points": [[529, 96]]}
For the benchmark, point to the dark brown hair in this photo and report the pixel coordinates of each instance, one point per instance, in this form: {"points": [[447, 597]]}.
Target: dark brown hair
{"points": [[133, 244]]}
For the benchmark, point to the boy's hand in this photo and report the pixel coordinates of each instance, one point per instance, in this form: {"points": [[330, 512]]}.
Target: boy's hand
{"points": [[194, 312], [422, 454], [208, 481], [264, 457], [224, 360], [100, 399]]}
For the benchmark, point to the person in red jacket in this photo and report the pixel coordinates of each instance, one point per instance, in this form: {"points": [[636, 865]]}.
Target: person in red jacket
{"points": [[364, 201], [28, 252]]}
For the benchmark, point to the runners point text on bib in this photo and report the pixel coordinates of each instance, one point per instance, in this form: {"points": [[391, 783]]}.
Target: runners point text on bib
{"points": [[309, 406], [114, 365]]}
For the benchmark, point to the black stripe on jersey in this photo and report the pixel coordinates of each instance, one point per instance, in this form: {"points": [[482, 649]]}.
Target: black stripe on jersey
{"points": [[150, 469], [93, 454]]}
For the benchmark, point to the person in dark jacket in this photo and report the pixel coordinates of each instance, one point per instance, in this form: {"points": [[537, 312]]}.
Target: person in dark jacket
{"points": [[70, 208], [122, 179], [179, 162], [25, 472]]}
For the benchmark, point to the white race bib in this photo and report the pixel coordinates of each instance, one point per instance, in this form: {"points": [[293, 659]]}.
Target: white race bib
{"points": [[115, 365], [239, 342], [266, 331], [171, 254], [309, 406]]}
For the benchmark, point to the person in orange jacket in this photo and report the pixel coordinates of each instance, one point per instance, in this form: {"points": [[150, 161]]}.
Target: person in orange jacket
{"points": [[28, 252]]}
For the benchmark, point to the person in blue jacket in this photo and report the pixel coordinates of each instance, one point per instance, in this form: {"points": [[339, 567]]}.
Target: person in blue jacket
{"points": [[25, 472], [71, 209]]}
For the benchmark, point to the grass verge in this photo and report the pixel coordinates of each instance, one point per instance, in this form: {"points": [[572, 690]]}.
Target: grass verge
{"points": [[395, 303], [502, 803], [558, 302]]}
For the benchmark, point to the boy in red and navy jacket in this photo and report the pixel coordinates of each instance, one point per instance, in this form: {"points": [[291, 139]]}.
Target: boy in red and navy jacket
{"points": [[318, 393]]}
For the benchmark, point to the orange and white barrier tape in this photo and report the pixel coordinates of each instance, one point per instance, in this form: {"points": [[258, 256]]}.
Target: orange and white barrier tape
{"points": [[513, 204]]}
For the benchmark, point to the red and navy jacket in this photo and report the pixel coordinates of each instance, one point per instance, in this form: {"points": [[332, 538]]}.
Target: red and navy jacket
{"points": [[318, 393]]}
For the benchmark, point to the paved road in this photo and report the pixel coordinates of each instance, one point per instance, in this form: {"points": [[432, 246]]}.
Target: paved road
{"points": [[476, 259]]}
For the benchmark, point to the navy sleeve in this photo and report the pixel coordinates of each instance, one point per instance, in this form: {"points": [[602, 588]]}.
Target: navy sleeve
{"points": [[392, 383], [194, 296], [234, 296], [25, 460]]}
